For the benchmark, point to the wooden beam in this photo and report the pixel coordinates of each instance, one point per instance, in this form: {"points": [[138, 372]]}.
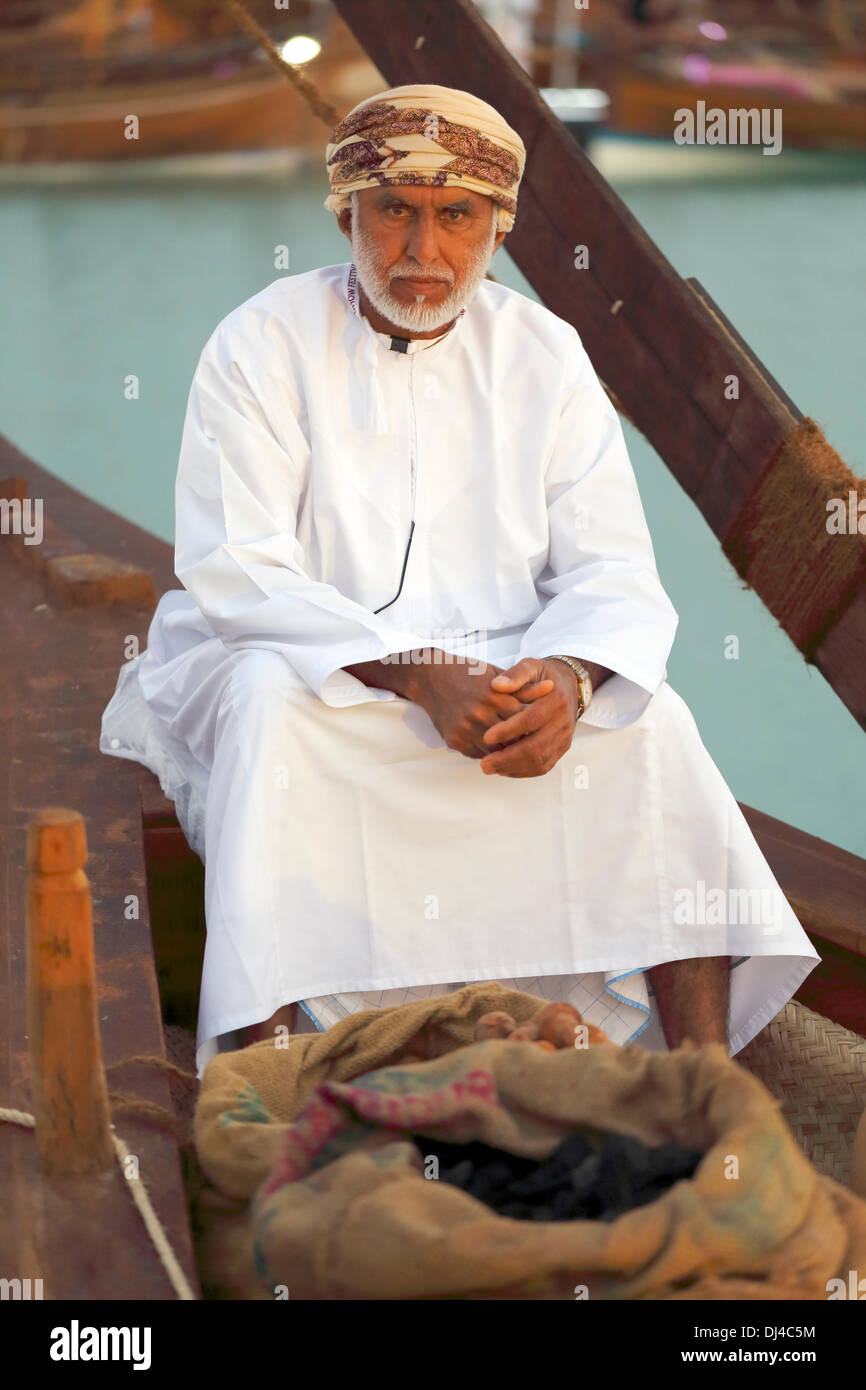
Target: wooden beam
{"points": [[70, 1098], [836, 987], [654, 339], [77, 574], [825, 885]]}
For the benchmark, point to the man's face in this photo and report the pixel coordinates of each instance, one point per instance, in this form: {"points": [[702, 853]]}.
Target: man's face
{"points": [[421, 252]]}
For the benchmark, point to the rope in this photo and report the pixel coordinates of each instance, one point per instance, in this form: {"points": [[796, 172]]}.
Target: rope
{"points": [[139, 1194], [780, 546], [150, 1110], [161, 1064], [323, 109]]}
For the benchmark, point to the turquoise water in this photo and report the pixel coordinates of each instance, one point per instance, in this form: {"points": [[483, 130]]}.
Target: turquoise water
{"points": [[104, 279]]}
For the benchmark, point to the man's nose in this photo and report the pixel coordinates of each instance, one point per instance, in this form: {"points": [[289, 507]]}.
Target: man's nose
{"points": [[422, 242]]}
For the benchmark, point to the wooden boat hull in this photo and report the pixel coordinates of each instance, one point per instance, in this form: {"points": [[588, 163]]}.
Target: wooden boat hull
{"points": [[247, 113], [82, 1236], [646, 104]]}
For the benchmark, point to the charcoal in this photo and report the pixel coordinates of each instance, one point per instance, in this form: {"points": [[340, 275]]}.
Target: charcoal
{"points": [[577, 1182]]}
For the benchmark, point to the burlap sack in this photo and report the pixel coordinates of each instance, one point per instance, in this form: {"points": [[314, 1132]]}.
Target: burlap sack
{"points": [[755, 1221]]}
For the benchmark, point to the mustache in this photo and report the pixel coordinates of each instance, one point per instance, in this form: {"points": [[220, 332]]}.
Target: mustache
{"points": [[410, 274]]}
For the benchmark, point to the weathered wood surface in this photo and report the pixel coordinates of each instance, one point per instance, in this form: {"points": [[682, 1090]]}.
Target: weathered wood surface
{"points": [[175, 887], [826, 887], [81, 1235], [78, 574], [651, 335], [67, 1078]]}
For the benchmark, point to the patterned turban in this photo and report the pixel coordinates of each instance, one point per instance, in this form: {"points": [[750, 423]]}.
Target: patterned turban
{"points": [[426, 135]]}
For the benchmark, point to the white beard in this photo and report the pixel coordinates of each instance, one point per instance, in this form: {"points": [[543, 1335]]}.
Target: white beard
{"points": [[423, 316]]}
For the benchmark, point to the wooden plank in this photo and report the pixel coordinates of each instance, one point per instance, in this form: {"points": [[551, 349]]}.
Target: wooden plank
{"points": [[95, 528], [825, 885], [841, 657], [84, 579], [78, 575], [836, 987], [64, 667], [707, 300], [157, 811], [655, 342], [175, 889]]}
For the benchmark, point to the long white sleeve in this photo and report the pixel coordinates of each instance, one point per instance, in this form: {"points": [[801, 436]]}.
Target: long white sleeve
{"points": [[605, 599], [237, 497]]}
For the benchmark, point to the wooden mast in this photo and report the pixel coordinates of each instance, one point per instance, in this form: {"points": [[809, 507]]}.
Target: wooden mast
{"points": [[657, 341]]}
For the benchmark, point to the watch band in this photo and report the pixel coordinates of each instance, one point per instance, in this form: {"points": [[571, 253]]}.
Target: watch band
{"points": [[584, 681]]}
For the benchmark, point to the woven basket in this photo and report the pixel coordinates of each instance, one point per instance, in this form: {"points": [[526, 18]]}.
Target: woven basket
{"points": [[817, 1070]]}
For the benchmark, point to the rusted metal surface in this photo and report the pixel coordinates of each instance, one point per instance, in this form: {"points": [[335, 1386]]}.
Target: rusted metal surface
{"points": [[82, 1236]]}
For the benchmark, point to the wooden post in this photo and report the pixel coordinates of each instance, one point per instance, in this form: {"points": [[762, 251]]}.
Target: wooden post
{"points": [[70, 1100]]}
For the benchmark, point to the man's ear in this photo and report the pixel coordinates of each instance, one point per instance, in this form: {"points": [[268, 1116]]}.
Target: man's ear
{"points": [[500, 237], [344, 222]]}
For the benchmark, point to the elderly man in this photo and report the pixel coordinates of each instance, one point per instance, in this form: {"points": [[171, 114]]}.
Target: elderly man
{"points": [[411, 702]]}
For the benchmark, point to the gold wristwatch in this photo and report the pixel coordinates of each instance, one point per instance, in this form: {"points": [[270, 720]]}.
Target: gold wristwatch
{"points": [[584, 682]]}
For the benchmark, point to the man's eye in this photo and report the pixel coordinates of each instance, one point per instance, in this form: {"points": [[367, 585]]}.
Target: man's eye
{"points": [[453, 214]]}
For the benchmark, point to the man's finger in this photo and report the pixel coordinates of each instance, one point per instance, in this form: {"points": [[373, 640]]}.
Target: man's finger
{"points": [[526, 672], [523, 758], [533, 692], [530, 718], [504, 705]]}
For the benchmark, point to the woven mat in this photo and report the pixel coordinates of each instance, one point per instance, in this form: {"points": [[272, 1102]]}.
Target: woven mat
{"points": [[817, 1069]]}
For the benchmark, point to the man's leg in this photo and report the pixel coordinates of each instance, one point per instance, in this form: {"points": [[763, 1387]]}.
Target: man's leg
{"points": [[693, 998], [257, 1031]]}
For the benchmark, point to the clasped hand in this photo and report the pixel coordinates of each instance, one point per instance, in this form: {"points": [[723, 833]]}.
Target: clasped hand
{"points": [[517, 722]]}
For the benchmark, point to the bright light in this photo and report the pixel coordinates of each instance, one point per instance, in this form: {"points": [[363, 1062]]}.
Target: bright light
{"points": [[711, 30], [300, 49]]}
